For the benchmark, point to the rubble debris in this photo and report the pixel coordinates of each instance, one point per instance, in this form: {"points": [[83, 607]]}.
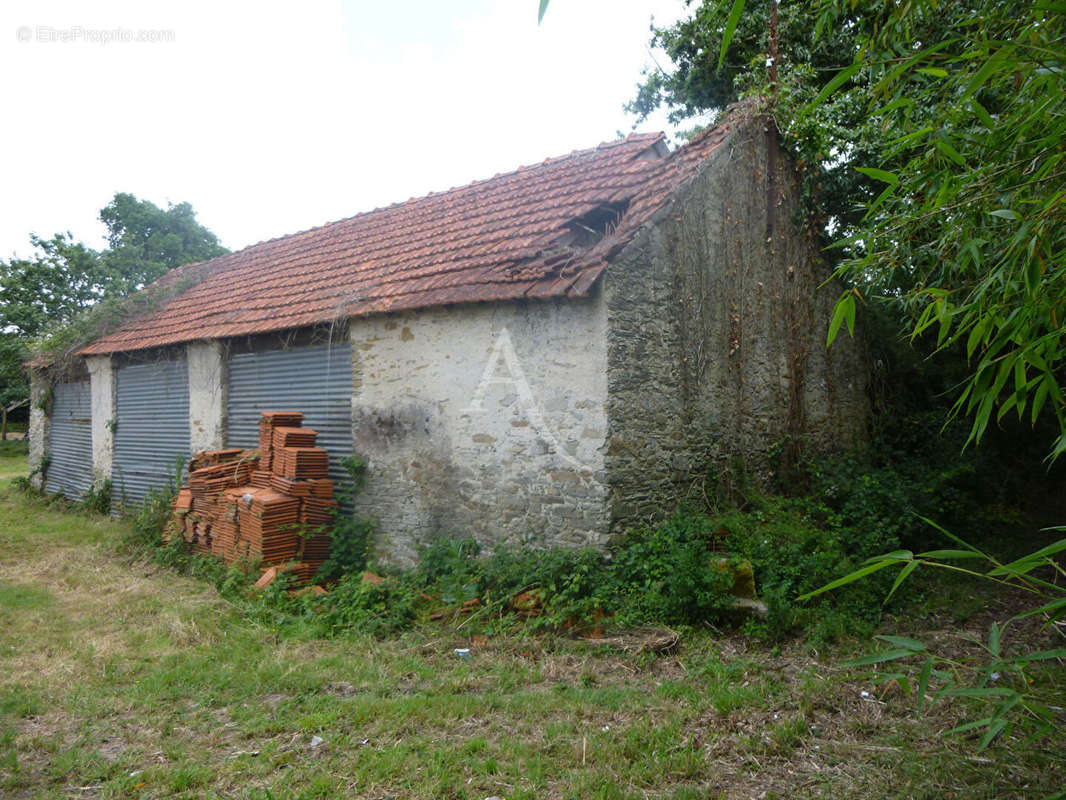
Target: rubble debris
{"points": [[273, 505], [267, 578]]}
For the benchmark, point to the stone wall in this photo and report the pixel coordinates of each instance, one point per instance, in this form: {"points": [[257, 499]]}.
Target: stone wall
{"points": [[39, 425], [207, 395], [103, 387], [483, 420], [716, 339]]}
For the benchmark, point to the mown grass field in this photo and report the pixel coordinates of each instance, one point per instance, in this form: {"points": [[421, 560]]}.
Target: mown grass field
{"points": [[121, 679]]}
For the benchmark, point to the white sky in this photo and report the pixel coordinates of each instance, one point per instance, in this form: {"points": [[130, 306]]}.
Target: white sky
{"points": [[271, 118]]}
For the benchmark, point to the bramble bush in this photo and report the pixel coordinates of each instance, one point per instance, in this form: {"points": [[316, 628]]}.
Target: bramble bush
{"points": [[667, 574], [660, 575], [796, 545], [852, 507]]}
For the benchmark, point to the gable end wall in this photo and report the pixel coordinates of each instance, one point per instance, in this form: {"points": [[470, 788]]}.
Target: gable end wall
{"points": [[716, 341]]}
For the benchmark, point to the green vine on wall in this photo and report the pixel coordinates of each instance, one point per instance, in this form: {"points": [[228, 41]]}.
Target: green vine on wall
{"points": [[59, 348], [352, 536]]}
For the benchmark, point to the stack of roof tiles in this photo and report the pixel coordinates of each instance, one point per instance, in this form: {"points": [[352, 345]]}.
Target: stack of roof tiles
{"points": [[274, 505]]}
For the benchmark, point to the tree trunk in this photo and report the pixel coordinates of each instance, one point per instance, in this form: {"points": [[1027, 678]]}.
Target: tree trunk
{"points": [[3, 426]]}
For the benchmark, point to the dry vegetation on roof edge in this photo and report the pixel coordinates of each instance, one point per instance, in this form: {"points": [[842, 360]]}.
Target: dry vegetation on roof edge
{"points": [[59, 350]]}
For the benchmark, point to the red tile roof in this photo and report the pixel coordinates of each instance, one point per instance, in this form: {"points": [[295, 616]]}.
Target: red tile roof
{"points": [[496, 239]]}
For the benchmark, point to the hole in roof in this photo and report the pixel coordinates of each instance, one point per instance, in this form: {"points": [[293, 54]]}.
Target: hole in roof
{"points": [[593, 225]]}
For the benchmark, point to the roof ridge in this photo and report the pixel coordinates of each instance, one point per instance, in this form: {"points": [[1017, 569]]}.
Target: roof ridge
{"points": [[632, 138], [493, 239]]}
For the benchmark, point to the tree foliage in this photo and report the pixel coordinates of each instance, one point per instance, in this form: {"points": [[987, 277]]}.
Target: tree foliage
{"points": [[60, 278], [63, 277], [145, 241], [931, 136], [14, 387], [970, 226]]}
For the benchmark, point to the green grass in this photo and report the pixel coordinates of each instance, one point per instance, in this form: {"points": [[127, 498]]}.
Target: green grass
{"points": [[13, 460], [120, 679], [15, 598]]}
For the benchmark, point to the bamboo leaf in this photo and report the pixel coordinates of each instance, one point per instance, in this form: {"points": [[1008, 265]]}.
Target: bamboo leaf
{"points": [[879, 174], [850, 578], [970, 726], [982, 114], [837, 81], [1006, 407], [730, 29], [978, 80], [976, 336], [1029, 562], [953, 554], [844, 310], [945, 147], [1003, 213], [980, 693], [1044, 655], [895, 555], [923, 682], [953, 537], [918, 134], [904, 642], [881, 198], [902, 576], [880, 658], [994, 729], [1032, 277], [1053, 609], [899, 102]]}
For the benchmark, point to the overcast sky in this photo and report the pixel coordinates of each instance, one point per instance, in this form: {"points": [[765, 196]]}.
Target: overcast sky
{"points": [[271, 118]]}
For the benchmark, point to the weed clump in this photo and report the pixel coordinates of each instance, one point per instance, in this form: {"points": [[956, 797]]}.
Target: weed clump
{"points": [[680, 572], [669, 574], [350, 535]]}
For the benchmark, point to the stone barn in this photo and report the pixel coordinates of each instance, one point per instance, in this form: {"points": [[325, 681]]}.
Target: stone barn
{"points": [[546, 357]]}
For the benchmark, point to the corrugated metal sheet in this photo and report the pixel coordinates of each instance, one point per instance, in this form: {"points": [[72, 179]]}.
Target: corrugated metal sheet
{"points": [[153, 427], [316, 380], [70, 442]]}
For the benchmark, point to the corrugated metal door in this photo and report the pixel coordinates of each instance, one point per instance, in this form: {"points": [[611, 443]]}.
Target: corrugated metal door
{"points": [[152, 431], [70, 441], [316, 380]]}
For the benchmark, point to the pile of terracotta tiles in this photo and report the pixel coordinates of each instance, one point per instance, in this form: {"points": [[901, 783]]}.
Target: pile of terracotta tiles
{"points": [[273, 505]]}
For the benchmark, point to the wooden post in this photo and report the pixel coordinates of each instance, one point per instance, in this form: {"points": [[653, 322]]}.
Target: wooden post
{"points": [[6, 410]]}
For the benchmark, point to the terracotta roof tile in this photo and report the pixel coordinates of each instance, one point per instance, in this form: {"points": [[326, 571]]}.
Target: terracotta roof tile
{"points": [[497, 239]]}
